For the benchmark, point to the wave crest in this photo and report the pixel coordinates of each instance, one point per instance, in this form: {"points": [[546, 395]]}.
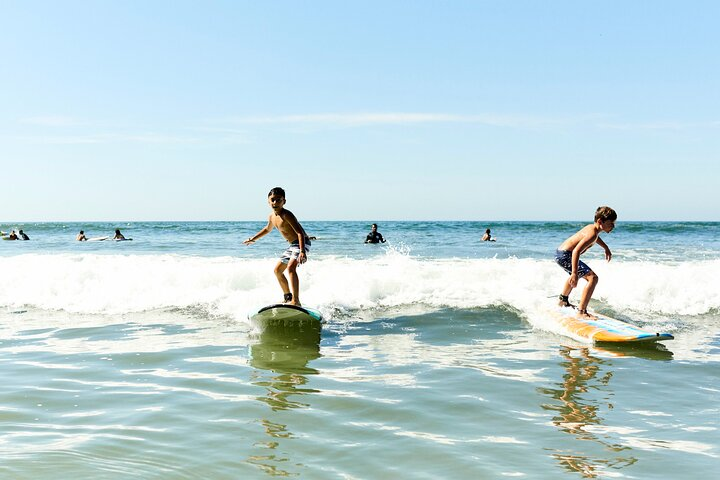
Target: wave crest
{"points": [[114, 284]]}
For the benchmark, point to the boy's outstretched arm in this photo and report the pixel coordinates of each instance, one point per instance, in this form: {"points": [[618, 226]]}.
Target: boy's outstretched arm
{"points": [[267, 229], [608, 253]]}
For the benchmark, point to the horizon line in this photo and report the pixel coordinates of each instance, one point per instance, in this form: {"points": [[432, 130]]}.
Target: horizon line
{"points": [[350, 220]]}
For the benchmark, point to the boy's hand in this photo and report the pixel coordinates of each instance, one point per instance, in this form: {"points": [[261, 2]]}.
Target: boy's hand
{"points": [[249, 241], [573, 280], [302, 258], [608, 254]]}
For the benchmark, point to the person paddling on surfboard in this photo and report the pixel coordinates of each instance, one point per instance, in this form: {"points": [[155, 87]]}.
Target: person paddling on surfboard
{"points": [[296, 253], [568, 257]]}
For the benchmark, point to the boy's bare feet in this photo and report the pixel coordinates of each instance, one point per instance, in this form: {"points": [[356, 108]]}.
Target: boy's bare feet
{"points": [[585, 314]]}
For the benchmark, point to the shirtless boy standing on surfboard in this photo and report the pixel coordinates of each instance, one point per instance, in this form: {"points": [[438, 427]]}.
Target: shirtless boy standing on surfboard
{"points": [[568, 257], [296, 254]]}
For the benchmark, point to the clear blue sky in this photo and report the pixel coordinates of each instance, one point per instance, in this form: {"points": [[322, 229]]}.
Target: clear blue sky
{"points": [[373, 110]]}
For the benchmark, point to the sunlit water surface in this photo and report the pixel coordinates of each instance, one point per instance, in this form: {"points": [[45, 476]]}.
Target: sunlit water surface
{"points": [[136, 360]]}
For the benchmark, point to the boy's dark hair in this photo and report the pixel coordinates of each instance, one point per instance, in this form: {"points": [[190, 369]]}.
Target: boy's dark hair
{"points": [[277, 191], [605, 214]]}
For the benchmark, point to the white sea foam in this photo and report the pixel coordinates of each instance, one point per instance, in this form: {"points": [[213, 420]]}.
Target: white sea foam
{"points": [[116, 284]]}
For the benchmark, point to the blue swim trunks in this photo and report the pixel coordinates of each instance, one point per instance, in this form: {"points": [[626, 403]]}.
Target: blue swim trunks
{"points": [[293, 251], [564, 259]]}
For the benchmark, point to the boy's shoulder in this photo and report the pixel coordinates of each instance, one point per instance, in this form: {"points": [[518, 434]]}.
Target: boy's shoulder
{"points": [[287, 213], [282, 215], [588, 230]]}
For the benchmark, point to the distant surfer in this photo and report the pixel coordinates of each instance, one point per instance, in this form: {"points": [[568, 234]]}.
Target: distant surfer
{"points": [[568, 257], [296, 253], [22, 235], [81, 237], [374, 236], [487, 237], [118, 235], [12, 236]]}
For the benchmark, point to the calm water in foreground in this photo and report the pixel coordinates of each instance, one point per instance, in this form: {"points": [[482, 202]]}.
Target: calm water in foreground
{"points": [[437, 359]]}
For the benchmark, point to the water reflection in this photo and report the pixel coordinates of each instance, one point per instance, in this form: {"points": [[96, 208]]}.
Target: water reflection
{"points": [[271, 461], [574, 413], [653, 351], [285, 350], [281, 357]]}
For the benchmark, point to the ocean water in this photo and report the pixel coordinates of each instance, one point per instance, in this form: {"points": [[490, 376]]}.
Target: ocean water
{"points": [[437, 359]]}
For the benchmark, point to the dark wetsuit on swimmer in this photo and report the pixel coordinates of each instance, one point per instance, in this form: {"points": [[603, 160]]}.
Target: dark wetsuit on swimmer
{"points": [[374, 237]]}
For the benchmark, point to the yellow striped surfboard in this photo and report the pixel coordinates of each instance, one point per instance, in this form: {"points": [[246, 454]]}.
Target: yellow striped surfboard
{"points": [[604, 328]]}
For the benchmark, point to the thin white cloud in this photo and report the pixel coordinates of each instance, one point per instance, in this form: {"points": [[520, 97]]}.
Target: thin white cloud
{"points": [[328, 120], [194, 136], [660, 126], [53, 121], [399, 118], [238, 130], [150, 138], [74, 131]]}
